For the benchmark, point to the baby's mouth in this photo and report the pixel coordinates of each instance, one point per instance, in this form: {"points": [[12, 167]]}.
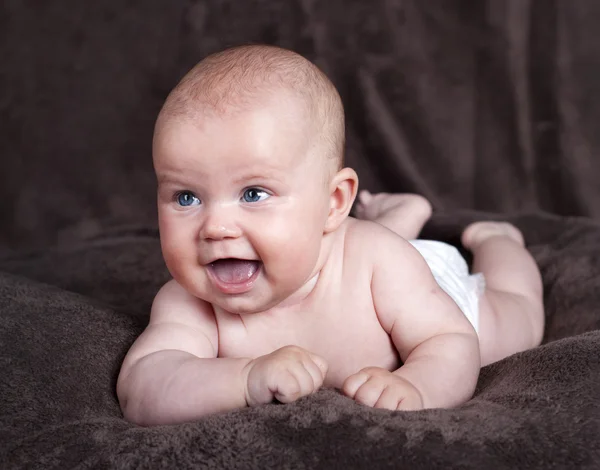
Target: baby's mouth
{"points": [[234, 271]]}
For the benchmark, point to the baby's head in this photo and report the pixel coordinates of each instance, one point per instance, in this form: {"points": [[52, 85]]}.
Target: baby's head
{"points": [[247, 77], [248, 152]]}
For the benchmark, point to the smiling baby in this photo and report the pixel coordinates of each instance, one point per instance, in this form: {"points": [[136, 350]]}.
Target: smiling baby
{"points": [[276, 291]]}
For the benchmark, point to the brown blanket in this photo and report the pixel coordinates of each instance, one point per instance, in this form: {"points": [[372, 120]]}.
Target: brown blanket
{"points": [[478, 104], [69, 315]]}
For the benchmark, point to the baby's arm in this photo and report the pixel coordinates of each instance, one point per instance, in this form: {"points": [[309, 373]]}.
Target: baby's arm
{"points": [[170, 374], [436, 342]]}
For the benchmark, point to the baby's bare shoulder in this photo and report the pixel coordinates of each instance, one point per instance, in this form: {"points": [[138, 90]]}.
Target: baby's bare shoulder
{"points": [[178, 321], [373, 239], [173, 304], [383, 253]]}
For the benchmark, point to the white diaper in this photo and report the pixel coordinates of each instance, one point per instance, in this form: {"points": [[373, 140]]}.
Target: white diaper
{"points": [[451, 272]]}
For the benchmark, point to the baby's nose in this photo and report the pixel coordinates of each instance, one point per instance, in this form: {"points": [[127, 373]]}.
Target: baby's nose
{"points": [[219, 224]]}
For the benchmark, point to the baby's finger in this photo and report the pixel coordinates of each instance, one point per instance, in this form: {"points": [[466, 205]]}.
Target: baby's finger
{"points": [[321, 364], [305, 379], [411, 402], [389, 399], [296, 382], [315, 372], [369, 392], [353, 383], [287, 387]]}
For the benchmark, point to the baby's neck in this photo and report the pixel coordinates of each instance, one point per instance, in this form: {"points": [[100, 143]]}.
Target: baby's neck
{"points": [[298, 297], [296, 302], [302, 296]]}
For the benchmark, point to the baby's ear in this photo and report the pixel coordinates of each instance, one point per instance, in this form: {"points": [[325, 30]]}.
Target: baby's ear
{"points": [[343, 189]]}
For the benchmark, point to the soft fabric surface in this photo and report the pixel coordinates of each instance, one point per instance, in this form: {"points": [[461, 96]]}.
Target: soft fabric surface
{"points": [[477, 104], [69, 315]]}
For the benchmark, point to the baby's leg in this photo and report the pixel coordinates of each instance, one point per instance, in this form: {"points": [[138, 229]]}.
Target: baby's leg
{"points": [[404, 214], [511, 309]]}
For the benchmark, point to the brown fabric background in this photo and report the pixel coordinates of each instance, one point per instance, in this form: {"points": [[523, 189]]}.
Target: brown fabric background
{"points": [[488, 105], [489, 108]]}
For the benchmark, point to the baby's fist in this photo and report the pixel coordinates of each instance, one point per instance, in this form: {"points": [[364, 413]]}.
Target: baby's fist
{"points": [[380, 388], [286, 375]]}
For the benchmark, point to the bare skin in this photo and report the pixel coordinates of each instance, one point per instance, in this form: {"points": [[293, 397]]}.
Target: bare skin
{"points": [[276, 291], [404, 214], [342, 333], [511, 308]]}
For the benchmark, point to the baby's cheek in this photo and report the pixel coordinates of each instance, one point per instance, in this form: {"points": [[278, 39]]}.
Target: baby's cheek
{"points": [[173, 261], [169, 243], [177, 252], [295, 255]]}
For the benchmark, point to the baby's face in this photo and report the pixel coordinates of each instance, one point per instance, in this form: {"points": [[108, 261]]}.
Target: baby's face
{"points": [[242, 201]]}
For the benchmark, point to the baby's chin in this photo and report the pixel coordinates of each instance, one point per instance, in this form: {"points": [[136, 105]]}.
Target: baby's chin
{"points": [[238, 305], [247, 303]]}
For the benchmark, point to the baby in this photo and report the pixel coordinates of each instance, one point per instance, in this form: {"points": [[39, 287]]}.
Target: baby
{"points": [[276, 291]]}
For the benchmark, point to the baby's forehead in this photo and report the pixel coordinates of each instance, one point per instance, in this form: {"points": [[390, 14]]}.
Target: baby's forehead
{"points": [[237, 148], [282, 108], [271, 125]]}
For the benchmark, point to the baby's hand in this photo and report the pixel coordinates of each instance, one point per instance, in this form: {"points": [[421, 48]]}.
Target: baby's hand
{"points": [[380, 388], [286, 374]]}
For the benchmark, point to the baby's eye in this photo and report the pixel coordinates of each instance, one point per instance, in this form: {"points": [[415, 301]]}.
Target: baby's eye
{"points": [[254, 195], [187, 198]]}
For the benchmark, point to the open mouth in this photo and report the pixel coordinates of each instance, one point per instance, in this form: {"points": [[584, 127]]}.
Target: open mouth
{"points": [[234, 276]]}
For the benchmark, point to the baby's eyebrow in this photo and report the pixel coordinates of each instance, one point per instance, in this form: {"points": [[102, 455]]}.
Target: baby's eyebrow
{"points": [[166, 180], [172, 176], [263, 175], [172, 181]]}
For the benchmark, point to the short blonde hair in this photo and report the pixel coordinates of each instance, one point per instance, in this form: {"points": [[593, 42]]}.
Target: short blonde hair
{"points": [[237, 77]]}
